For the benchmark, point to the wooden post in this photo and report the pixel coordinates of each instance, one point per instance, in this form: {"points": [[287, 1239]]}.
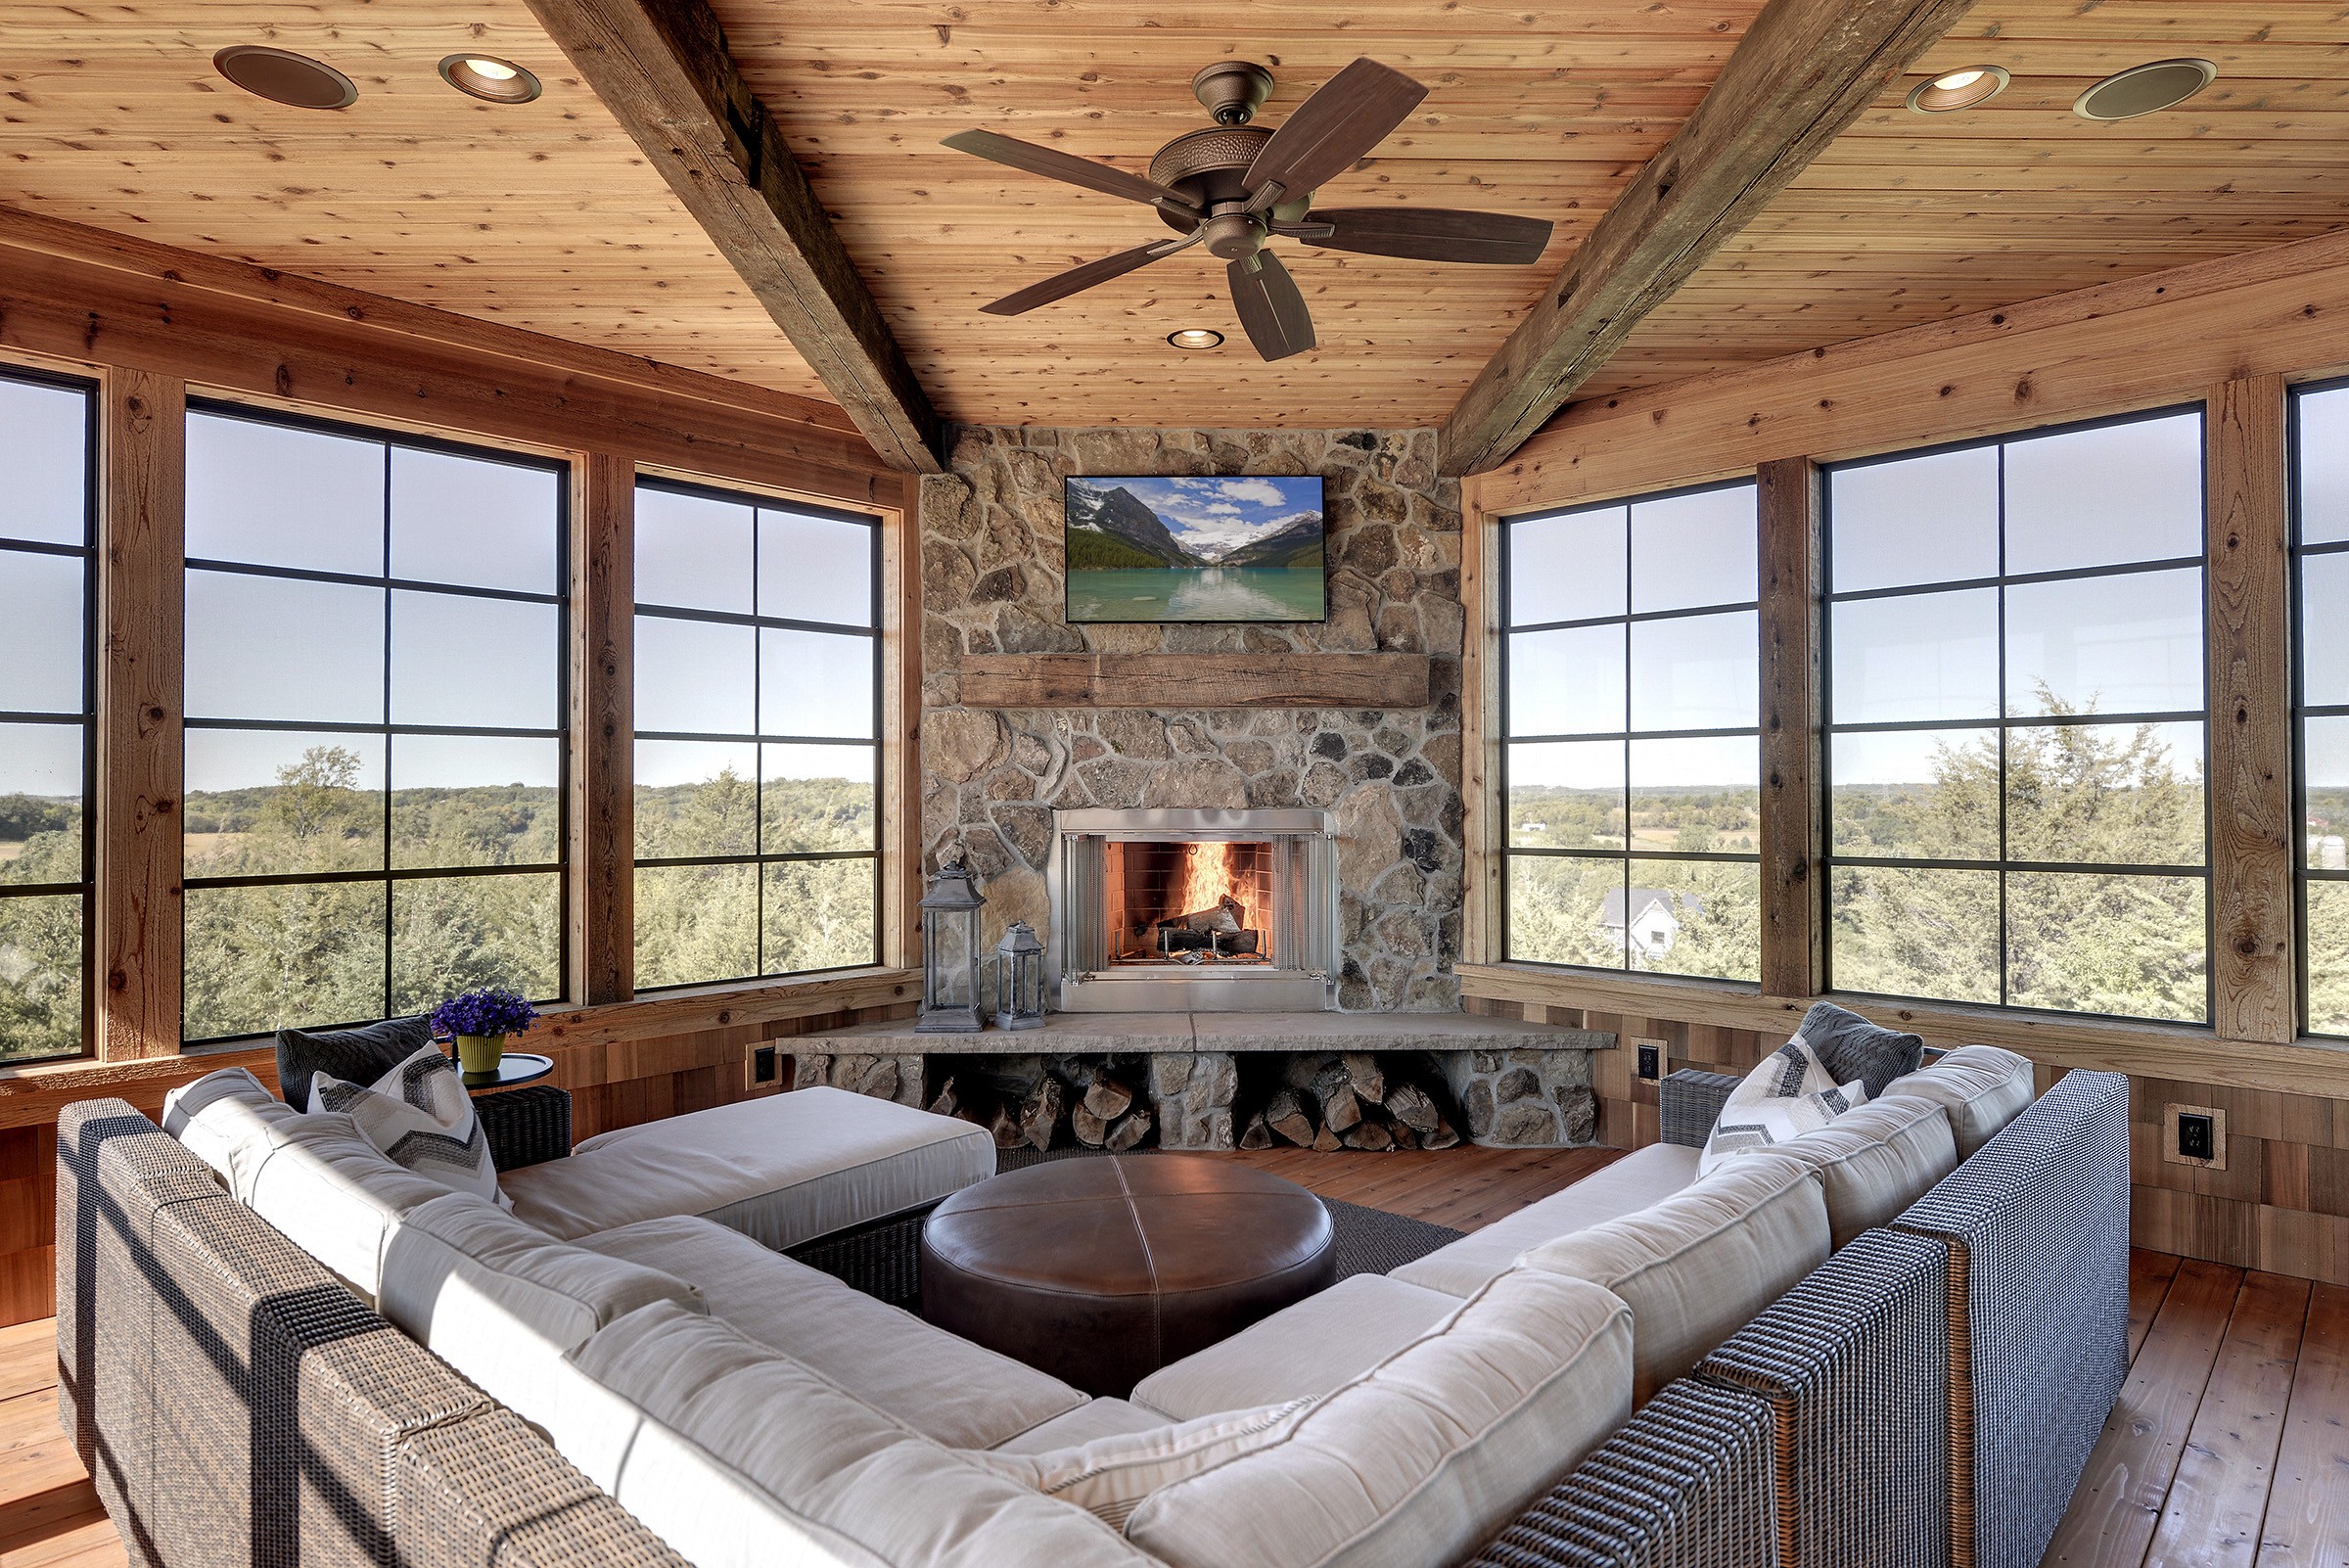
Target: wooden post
{"points": [[141, 608], [603, 728], [1793, 803], [900, 822], [2251, 831], [1485, 829]]}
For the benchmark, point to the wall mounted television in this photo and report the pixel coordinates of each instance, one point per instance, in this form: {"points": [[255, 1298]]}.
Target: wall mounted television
{"points": [[1196, 547]]}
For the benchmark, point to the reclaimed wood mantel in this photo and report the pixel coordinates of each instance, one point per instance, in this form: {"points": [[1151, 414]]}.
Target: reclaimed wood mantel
{"points": [[1195, 680]]}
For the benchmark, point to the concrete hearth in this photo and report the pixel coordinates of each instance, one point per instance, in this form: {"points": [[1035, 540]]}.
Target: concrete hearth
{"points": [[1519, 1085]]}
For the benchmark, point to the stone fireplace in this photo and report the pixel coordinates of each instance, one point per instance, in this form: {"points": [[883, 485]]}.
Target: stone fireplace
{"points": [[1175, 910]]}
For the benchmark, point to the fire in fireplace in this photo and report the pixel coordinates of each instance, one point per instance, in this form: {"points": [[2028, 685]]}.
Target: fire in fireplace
{"points": [[1166, 910]]}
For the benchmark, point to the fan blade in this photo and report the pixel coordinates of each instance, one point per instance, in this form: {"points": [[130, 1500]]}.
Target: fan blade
{"points": [[1271, 310], [1079, 279], [1428, 234], [1353, 112], [1066, 166]]}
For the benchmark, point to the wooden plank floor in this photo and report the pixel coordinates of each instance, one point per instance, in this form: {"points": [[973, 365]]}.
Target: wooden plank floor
{"points": [[2229, 1447]]}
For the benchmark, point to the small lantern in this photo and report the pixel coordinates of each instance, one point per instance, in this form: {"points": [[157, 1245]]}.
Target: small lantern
{"points": [[950, 953], [1020, 979]]}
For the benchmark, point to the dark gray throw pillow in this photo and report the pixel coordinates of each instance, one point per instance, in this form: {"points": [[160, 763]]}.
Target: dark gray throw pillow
{"points": [[1850, 1047], [355, 1055]]}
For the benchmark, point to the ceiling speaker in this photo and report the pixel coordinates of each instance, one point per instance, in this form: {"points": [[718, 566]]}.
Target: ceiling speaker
{"points": [[2144, 89], [283, 77]]}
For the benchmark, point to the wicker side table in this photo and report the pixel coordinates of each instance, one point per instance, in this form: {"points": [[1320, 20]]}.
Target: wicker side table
{"points": [[525, 1125]]}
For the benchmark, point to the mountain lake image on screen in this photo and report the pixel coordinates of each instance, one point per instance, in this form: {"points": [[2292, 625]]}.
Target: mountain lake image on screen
{"points": [[1198, 547]]}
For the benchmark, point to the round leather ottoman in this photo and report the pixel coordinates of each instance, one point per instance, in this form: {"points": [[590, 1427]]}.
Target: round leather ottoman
{"points": [[1100, 1271]]}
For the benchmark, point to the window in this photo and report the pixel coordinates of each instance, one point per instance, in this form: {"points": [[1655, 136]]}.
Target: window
{"points": [[2321, 586], [47, 570], [2016, 698], [758, 693], [376, 695], [1631, 768]]}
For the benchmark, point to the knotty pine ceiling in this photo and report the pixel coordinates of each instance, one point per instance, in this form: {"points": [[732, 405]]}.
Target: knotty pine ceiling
{"points": [[546, 218]]}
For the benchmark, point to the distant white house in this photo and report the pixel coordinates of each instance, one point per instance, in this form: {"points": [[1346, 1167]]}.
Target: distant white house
{"points": [[1645, 920]]}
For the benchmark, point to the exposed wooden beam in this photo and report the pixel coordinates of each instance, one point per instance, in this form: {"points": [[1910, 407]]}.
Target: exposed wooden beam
{"points": [[662, 68], [1195, 680], [1805, 69]]}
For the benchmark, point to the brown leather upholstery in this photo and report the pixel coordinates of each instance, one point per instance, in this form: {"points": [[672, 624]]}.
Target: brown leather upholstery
{"points": [[1102, 1270]]}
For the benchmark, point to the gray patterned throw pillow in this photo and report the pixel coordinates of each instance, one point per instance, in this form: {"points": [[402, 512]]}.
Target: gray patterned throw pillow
{"points": [[1852, 1047], [420, 1117], [358, 1055]]}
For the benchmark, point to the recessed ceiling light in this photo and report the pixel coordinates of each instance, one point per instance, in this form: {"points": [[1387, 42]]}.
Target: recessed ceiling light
{"points": [[283, 77], [2144, 89], [1958, 89], [1196, 337], [488, 77]]}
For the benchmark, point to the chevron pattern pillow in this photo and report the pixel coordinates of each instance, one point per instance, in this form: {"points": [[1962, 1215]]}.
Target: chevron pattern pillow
{"points": [[421, 1117], [1790, 1094]]}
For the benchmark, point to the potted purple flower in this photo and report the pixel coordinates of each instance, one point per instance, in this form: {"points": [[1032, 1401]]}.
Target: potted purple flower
{"points": [[480, 1021]]}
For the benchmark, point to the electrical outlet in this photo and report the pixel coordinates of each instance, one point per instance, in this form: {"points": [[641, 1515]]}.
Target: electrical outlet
{"points": [[1651, 1059], [2195, 1134], [762, 1065]]}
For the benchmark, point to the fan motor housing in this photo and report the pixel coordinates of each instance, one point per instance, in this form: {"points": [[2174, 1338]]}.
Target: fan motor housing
{"points": [[1208, 167]]}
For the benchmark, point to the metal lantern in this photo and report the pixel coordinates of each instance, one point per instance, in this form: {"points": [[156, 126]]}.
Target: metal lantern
{"points": [[1020, 978], [950, 953]]}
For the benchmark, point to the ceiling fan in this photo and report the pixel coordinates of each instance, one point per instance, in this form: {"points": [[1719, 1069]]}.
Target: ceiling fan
{"points": [[1234, 186]]}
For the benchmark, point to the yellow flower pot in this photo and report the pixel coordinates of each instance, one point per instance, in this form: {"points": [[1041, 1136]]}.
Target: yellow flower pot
{"points": [[479, 1053]]}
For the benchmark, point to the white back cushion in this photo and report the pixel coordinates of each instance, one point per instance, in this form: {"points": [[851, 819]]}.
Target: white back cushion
{"points": [[1700, 1265], [738, 1456], [1423, 1459], [1878, 1160], [1982, 1086], [221, 1113], [331, 1192]]}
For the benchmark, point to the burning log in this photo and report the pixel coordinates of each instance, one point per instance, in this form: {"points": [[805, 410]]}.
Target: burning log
{"points": [[1226, 913]]}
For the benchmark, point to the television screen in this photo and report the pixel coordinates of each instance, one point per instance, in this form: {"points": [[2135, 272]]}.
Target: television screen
{"points": [[1195, 547]]}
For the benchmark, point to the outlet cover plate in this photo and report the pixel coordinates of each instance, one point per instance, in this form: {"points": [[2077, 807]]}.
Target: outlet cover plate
{"points": [[2171, 1146], [1650, 1066], [762, 1065]]}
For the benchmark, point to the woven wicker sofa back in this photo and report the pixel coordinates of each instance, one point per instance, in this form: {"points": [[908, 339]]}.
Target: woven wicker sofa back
{"points": [[1925, 1399], [237, 1406]]}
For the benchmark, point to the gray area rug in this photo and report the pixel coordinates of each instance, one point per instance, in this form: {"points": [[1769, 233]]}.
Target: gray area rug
{"points": [[885, 1260]]}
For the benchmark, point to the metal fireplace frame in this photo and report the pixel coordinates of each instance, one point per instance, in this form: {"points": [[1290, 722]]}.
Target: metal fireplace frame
{"points": [[1307, 928]]}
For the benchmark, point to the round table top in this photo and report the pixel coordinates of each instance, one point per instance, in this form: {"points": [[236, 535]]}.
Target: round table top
{"points": [[514, 1068], [1130, 1224]]}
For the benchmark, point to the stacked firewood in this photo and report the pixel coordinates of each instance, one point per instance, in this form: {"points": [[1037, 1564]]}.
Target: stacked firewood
{"points": [[1351, 1101], [1034, 1102]]}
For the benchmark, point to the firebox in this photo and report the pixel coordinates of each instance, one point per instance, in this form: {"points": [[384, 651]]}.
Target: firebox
{"points": [[1194, 910]]}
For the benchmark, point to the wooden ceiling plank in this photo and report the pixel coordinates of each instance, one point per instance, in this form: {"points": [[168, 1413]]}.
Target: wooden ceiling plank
{"points": [[1804, 70], [662, 68]]}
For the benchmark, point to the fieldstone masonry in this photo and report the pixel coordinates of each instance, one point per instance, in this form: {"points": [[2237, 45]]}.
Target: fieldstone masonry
{"points": [[1192, 1095], [993, 562], [1525, 1098], [884, 1078]]}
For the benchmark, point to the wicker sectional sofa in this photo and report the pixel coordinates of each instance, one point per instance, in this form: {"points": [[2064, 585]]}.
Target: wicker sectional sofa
{"points": [[1929, 1331]]}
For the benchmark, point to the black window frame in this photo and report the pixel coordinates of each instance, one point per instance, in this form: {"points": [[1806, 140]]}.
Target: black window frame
{"points": [[2298, 550], [87, 719], [389, 874], [1626, 857], [2001, 723], [757, 739]]}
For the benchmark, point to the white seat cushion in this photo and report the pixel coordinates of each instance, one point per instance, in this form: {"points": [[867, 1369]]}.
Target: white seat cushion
{"points": [[1698, 1266], [501, 1302], [1982, 1086], [1628, 1185], [1109, 1476], [333, 1194], [782, 1170], [1305, 1349], [1094, 1418], [1418, 1461], [945, 1388], [1877, 1160], [737, 1456], [219, 1114]]}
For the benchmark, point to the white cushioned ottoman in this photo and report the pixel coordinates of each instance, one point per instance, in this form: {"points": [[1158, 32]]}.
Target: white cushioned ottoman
{"points": [[782, 1170]]}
